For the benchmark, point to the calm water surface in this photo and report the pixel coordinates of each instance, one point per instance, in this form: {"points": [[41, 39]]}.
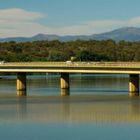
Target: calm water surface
{"points": [[99, 108]]}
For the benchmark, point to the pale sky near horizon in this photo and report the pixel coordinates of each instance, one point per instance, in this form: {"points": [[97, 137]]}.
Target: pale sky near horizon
{"points": [[66, 17]]}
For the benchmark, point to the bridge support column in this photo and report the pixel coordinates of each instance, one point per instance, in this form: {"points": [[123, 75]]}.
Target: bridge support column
{"points": [[64, 83], [134, 84], [21, 84]]}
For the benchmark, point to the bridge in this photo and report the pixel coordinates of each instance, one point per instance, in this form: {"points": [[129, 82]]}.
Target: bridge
{"points": [[65, 68]]}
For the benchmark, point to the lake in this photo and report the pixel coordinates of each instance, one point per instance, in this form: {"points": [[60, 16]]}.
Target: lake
{"points": [[98, 108]]}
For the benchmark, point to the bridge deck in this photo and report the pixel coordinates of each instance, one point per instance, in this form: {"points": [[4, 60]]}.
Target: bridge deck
{"points": [[73, 67]]}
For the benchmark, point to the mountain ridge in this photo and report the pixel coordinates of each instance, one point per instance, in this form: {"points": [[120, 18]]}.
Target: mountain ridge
{"points": [[124, 33]]}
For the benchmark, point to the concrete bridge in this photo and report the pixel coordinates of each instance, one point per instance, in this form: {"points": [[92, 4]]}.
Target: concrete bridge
{"points": [[65, 68]]}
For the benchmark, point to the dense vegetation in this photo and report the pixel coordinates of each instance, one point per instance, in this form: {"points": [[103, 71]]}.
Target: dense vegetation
{"points": [[92, 50]]}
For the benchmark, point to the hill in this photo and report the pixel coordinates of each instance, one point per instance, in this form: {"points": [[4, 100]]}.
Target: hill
{"points": [[127, 34]]}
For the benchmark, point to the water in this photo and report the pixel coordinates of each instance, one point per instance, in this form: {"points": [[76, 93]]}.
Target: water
{"points": [[99, 108]]}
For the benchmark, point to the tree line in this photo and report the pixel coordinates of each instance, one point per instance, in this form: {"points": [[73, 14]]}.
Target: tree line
{"points": [[79, 50]]}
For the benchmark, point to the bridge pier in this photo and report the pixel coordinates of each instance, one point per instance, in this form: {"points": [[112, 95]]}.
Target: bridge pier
{"points": [[134, 84], [21, 84], [64, 84]]}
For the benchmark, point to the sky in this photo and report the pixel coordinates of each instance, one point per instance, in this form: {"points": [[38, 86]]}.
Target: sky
{"points": [[66, 17]]}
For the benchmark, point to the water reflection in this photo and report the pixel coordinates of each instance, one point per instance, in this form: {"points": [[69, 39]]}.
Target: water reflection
{"points": [[135, 106], [70, 109], [65, 92], [21, 109], [21, 92]]}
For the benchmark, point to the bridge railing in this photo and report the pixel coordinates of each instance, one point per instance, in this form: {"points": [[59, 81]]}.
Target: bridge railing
{"points": [[69, 63]]}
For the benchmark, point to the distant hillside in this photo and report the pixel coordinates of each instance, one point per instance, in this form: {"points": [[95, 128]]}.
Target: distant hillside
{"points": [[127, 34]]}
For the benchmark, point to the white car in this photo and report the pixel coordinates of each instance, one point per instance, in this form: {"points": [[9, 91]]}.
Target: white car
{"points": [[2, 62]]}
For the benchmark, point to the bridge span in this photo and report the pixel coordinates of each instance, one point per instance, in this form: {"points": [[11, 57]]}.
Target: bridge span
{"points": [[65, 68]]}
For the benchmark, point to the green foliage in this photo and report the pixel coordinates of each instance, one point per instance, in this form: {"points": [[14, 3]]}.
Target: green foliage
{"points": [[57, 56], [79, 50], [88, 56]]}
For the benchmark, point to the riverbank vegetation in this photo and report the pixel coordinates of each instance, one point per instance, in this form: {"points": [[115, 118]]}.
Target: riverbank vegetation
{"points": [[107, 50]]}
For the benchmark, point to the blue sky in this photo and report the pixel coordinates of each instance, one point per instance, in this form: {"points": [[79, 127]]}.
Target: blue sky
{"points": [[66, 17]]}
